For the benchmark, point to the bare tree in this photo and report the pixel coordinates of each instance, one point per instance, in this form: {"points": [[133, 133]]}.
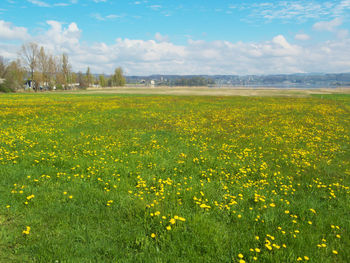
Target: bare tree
{"points": [[3, 67], [43, 65], [52, 70], [29, 56]]}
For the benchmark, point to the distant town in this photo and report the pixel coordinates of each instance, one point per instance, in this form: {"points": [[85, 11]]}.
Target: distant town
{"points": [[281, 80]]}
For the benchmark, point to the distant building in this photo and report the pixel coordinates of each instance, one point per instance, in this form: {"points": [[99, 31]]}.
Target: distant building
{"points": [[2, 81]]}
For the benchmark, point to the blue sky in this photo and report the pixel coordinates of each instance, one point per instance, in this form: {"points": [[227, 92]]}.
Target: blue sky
{"points": [[179, 37]]}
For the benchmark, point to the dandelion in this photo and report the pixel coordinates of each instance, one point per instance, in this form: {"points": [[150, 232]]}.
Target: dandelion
{"points": [[153, 235], [30, 197], [26, 231], [335, 252]]}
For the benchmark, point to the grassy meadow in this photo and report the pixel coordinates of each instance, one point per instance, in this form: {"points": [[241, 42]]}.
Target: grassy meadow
{"points": [[137, 178]]}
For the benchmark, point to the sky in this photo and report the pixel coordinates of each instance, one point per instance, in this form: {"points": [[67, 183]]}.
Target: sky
{"points": [[184, 37]]}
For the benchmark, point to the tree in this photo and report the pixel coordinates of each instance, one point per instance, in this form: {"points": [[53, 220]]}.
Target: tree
{"points": [[29, 56], [52, 70], [89, 77], [74, 77], [81, 80], [42, 76], [102, 80], [3, 67], [118, 79], [66, 68], [14, 75]]}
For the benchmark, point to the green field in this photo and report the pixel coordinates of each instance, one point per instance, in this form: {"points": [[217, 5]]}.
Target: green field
{"points": [[136, 178]]}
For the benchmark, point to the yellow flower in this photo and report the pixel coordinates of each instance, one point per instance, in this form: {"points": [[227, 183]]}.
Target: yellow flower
{"points": [[306, 258], [30, 197], [27, 231], [153, 235], [257, 250], [168, 228], [182, 219], [172, 221], [240, 256], [241, 261], [335, 252], [70, 197], [312, 210]]}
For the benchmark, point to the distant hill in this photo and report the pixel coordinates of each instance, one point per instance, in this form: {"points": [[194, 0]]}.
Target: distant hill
{"points": [[281, 80]]}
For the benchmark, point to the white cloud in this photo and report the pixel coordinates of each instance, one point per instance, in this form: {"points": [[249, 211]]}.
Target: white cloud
{"points": [[342, 33], [328, 25], [45, 4], [10, 32], [39, 3], [104, 18], [161, 38], [155, 7], [61, 4], [143, 57], [294, 10], [302, 37]]}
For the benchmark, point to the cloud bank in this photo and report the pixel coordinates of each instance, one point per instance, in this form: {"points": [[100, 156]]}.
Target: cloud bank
{"points": [[161, 56]]}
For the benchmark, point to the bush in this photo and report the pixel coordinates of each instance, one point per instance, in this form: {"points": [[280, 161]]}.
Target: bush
{"points": [[5, 88]]}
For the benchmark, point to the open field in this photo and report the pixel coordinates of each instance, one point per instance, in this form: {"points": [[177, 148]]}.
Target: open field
{"points": [[101, 177], [223, 91]]}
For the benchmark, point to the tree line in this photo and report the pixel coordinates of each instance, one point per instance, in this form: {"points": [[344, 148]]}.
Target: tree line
{"points": [[192, 81], [37, 69]]}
